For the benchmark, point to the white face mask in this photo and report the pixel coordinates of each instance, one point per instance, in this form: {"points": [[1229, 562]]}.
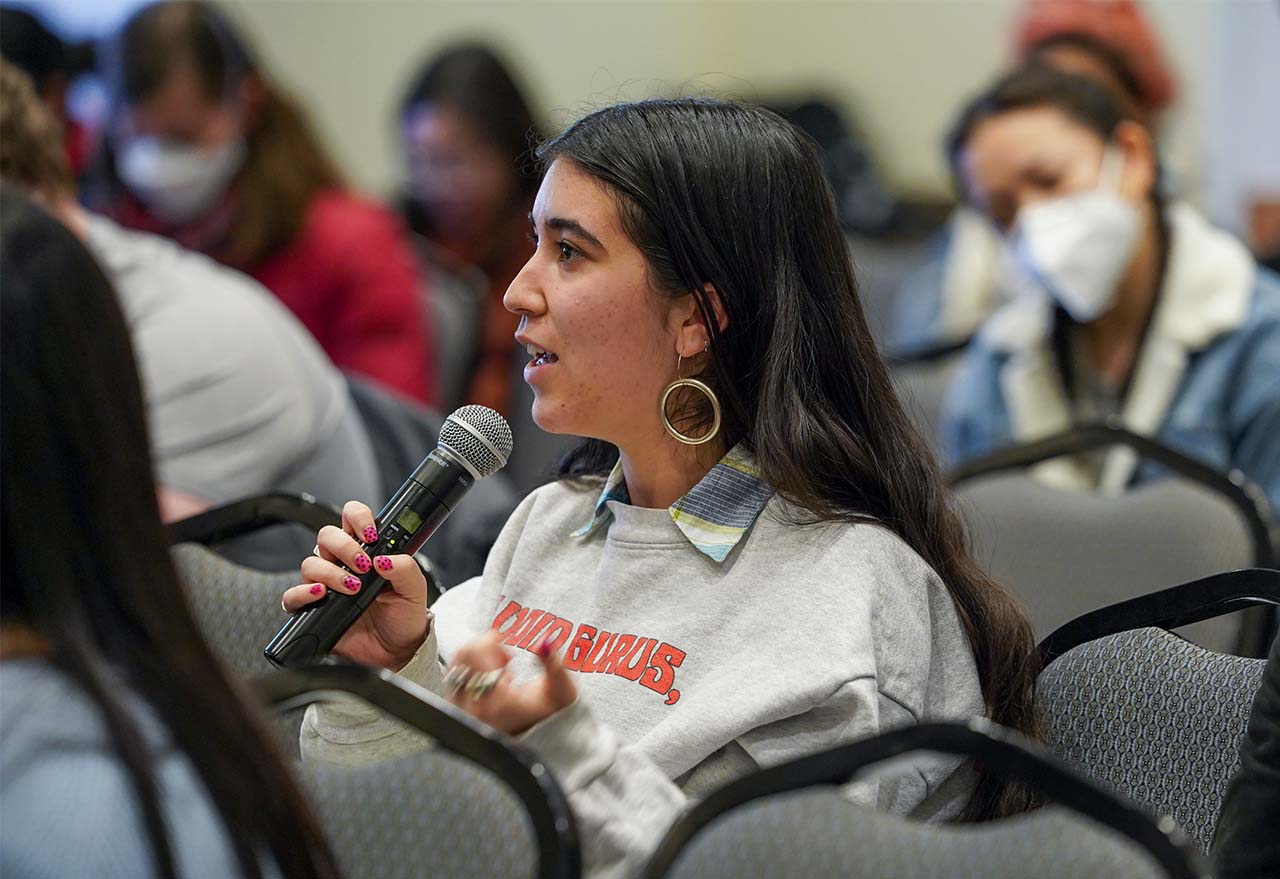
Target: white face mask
{"points": [[178, 182], [1077, 247]]}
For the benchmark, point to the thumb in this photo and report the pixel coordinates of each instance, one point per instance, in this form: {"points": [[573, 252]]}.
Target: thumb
{"points": [[557, 685], [404, 576]]}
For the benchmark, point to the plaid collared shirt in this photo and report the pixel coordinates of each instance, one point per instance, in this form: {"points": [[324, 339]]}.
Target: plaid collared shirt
{"points": [[714, 514]]}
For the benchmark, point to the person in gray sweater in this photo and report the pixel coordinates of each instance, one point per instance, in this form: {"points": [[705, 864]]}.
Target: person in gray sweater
{"points": [[753, 559], [241, 400]]}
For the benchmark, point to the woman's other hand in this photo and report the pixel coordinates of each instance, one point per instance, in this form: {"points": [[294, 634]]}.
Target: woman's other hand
{"points": [[389, 632], [507, 706]]}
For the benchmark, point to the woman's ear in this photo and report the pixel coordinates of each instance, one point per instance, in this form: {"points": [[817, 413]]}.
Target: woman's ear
{"points": [[692, 334], [1138, 148]]}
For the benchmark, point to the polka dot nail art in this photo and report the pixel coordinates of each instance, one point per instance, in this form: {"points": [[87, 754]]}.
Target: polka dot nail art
{"points": [[317, 589], [362, 563], [383, 563], [351, 583], [370, 534]]}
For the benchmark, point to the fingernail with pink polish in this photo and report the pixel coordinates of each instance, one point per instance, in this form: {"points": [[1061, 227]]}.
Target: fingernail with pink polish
{"points": [[544, 649], [383, 563], [370, 534], [362, 562], [351, 583], [316, 589]]}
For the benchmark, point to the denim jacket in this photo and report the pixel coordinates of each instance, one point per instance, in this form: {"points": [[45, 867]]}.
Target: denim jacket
{"points": [[1207, 380]]}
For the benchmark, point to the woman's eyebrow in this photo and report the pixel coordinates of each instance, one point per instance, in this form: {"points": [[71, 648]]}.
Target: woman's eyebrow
{"points": [[573, 227]]}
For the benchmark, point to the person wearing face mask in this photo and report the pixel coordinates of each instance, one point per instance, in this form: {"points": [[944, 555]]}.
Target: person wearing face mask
{"points": [[1111, 42], [1124, 306], [205, 149], [240, 399]]}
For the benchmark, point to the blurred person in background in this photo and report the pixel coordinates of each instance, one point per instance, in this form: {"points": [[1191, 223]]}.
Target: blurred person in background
{"points": [[1128, 306], [740, 571], [206, 149], [466, 130], [52, 65], [126, 750], [241, 400], [1109, 41]]}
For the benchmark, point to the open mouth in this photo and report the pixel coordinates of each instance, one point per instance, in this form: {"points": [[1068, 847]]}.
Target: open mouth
{"points": [[540, 356]]}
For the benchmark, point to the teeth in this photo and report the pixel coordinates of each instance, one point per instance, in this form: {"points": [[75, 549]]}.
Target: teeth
{"points": [[534, 350]]}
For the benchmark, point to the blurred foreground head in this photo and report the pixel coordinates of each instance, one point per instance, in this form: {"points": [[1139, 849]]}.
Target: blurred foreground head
{"points": [[88, 578]]}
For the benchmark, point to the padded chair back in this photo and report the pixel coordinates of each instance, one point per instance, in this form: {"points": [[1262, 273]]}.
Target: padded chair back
{"points": [[238, 611], [819, 834], [469, 802], [922, 387], [1153, 717], [403, 432], [1066, 553], [237, 608], [797, 819], [430, 813]]}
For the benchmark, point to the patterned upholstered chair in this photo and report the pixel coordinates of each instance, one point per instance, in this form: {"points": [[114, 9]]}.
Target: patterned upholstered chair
{"points": [[474, 804], [237, 608], [1146, 713], [1065, 553], [269, 532], [238, 611], [792, 820], [425, 814]]}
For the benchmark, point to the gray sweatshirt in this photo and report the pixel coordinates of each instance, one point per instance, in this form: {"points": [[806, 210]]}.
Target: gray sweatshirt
{"points": [[691, 671]]}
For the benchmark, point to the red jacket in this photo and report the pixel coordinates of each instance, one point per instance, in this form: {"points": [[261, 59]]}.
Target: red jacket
{"points": [[353, 280], [350, 276]]}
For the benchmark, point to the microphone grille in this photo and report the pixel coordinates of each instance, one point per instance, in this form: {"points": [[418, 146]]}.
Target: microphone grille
{"points": [[480, 436]]}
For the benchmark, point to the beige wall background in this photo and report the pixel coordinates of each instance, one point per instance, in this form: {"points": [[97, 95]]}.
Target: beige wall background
{"points": [[901, 67]]}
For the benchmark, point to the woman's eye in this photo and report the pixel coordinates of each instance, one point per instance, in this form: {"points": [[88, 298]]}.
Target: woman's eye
{"points": [[567, 251], [1045, 182]]}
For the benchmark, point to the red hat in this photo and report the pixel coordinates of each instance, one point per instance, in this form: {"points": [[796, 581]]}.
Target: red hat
{"points": [[1117, 24]]}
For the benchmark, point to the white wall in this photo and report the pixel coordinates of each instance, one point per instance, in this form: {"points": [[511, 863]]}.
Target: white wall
{"points": [[902, 65], [1243, 130]]}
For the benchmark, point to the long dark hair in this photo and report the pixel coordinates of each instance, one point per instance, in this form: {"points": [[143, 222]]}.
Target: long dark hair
{"points": [[472, 81], [286, 166], [728, 194], [107, 600]]}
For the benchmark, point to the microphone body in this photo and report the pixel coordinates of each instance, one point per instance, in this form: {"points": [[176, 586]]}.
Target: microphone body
{"points": [[412, 515]]}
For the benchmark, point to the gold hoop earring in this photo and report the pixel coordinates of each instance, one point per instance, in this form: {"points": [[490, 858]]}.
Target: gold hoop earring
{"points": [[702, 388]]}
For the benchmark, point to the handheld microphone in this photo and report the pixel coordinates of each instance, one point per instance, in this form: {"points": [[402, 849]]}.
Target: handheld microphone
{"points": [[475, 442]]}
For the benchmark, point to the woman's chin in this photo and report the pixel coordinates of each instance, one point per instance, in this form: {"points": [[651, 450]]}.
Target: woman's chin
{"points": [[548, 416]]}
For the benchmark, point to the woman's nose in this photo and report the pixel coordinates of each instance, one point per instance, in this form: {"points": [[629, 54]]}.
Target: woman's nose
{"points": [[524, 295]]}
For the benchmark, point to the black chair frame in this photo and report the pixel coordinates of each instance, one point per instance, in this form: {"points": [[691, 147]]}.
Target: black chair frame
{"points": [[1000, 750], [245, 516], [241, 517], [1180, 605], [922, 355], [559, 855], [1244, 495]]}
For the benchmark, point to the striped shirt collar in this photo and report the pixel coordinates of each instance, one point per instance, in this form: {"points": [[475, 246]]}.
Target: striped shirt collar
{"points": [[714, 514]]}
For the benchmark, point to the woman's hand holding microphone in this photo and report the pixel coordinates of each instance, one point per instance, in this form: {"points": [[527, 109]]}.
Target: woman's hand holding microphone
{"points": [[395, 627], [390, 632]]}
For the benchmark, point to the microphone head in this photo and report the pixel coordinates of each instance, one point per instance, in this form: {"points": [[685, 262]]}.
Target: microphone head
{"points": [[480, 437]]}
